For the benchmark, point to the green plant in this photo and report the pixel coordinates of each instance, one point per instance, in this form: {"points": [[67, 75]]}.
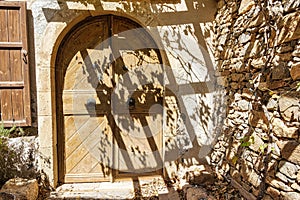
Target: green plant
{"points": [[247, 141], [5, 132]]}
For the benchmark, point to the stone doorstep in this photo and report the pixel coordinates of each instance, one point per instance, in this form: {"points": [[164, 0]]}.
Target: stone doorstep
{"points": [[104, 190]]}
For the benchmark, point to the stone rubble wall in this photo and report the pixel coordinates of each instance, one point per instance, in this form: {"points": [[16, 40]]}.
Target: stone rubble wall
{"points": [[258, 56], [19, 158]]}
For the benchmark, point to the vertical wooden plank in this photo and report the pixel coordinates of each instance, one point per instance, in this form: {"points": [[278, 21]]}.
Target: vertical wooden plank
{"points": [[3, 25], [15, 63], [6, 105], [25, 65], [17, 104], [4, 65], [14, 25]]}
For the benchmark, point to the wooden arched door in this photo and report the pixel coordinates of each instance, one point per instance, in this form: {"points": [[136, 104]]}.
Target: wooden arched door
{"points": [[110, 101]]}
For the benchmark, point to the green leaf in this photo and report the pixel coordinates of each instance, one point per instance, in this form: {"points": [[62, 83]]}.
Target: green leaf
{"points": [[246, 144], [234, 159]]}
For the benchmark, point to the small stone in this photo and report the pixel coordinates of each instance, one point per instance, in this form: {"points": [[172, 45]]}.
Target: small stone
{"points": [[296, 59], [290, 195], [258, 63], [258, 119], [267, 197], [263, 86], [235, 85], [222, 81], [200, 175], [243, 105], [290, 28], [257, 143], [247, 94], [272, 104], [296, 186], [296, 53], [280, 72], [245, 6], [276, 84], [289, 106], [23, 187], [281, 130], [244, 37], [254, 179], [290, 5], [288, 169], [278, 184], [236, 77], [256, 21], [298, 176], [256, 49], [282, 177], [284, 49], [285, 57], [273, 192], [290, 150], [295, 71]]}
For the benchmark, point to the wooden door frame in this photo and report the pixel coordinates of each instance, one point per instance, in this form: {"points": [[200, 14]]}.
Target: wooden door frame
{"points": [[59, 82]]}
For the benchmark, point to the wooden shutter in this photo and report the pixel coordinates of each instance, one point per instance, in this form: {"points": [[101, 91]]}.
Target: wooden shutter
{"points": [[14, 73]]}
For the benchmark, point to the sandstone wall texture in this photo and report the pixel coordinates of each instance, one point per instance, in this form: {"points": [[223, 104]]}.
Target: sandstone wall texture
{"points": [[258, 57]]}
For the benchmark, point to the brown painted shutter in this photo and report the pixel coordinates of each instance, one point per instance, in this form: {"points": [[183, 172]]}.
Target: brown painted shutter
{"points": [[14, 73]]}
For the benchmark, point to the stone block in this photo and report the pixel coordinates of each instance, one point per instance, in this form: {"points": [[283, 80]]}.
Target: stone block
{"points": [[258, 119], [272, 104], [278, 184], [296, 186], [24, 187], [281, 130], [258, 63], [295, 71], [290, 195], [243, 105], [290, 5], [256, 21], [280, 72], [276, 84], [290, 150], [289, 106], [245, 6], [43, 77], [46, 138], [200, 175], [274, 193], [290, 28], [257, 143], [44, 101]]}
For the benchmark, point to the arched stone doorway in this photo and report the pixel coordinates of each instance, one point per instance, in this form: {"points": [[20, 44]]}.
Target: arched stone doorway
{"points": [[110, 97]]}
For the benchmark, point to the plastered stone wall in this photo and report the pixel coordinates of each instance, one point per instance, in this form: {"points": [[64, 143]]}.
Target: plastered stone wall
{"points": [[258, 59], [183, 30]]}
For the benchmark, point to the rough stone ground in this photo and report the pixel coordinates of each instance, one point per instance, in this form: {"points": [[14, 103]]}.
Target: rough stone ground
{"points": [[155, 189]]}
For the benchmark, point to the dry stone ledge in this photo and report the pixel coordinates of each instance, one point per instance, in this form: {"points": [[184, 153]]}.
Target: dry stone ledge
{"points": [[21, 189], [200, 175]]}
